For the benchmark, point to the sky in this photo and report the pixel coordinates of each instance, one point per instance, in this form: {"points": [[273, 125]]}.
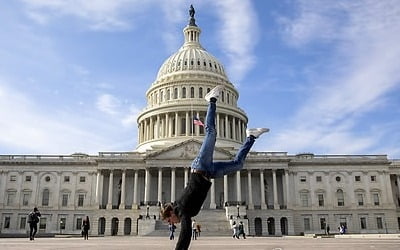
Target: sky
{"points": [[323, 75]]}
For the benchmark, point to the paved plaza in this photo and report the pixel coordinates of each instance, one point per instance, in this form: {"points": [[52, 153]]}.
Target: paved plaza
{"points": [[203, 243]]}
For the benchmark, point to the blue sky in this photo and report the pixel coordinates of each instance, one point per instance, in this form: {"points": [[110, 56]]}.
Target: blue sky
{"points": [[323, 75]]}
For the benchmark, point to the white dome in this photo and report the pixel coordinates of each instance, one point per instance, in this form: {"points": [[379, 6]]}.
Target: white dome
{"points": [[191, 57]]}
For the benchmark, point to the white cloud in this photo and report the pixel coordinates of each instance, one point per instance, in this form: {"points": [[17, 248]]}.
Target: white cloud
{"points": [[238, 36], [363, 72], [30, 128], [108, 104], [100, 14]]}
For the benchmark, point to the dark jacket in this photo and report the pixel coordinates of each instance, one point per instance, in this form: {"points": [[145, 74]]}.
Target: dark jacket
{"points": [[188, 205]]}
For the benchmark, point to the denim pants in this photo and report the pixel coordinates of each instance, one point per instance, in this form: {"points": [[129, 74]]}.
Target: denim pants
{"points": [[204, 160]]}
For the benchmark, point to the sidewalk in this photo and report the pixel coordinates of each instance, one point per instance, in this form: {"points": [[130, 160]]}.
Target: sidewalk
{"points": [[203, 243]]}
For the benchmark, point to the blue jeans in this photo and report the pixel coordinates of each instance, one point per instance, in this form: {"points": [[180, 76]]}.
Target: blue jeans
{"points": [[204, 160]]}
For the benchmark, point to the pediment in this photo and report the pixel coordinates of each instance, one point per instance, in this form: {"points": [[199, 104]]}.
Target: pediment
{"points": [[186, 150]]}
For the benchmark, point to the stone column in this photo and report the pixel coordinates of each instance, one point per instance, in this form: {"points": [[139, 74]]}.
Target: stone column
{"points": [[238, 187], [177, 124], [145, 131], [225, 189], [262, 191], [383, 188], [159, 195], [329, 193], [276, 203], [151, 129], [249, 186], [398, 184], [110, 190], [226, 127], [122, 206], [197, 128], [157, 135], [172, 184], [213, 205], [135, 191], [147, 187], [98, 188], [188, 124], [219, 132], [186, 177], [234, 128], [389, 188], [3, 181], [367, 193], [288, 198]]}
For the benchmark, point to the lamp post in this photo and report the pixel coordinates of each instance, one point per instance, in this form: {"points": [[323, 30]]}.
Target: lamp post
{"points": [[238, 210], [147, 211]]}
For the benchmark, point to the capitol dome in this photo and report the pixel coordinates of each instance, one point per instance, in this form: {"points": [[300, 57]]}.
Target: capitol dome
{"points": [[176, 97], [191, 57]]}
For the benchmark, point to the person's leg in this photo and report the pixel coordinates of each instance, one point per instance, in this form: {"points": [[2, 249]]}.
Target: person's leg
{"points": [[203, 161], [221, 168], [30, 231], [34, 230]]}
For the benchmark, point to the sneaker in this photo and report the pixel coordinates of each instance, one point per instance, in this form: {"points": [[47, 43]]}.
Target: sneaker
{"points": [[256, 132], [214, 93]]}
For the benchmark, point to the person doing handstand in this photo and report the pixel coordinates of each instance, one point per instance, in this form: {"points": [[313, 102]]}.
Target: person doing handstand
{"points": [[203, 169]]}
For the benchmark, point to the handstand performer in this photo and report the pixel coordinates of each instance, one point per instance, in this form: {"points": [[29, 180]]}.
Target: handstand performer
{"points": [[204, 169]]}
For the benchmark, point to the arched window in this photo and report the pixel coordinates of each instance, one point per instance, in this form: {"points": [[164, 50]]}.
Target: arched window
{"points": [[175, 93], [45, 197], [192, 92], [183, 92], [340, 198], [168, 94], [200, 92]]}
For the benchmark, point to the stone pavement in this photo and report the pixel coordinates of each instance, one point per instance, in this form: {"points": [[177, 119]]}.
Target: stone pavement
{"points": [[203, 243]]}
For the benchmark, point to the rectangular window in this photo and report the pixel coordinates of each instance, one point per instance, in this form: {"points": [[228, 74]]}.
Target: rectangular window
{"points": [[10, 199], [363, 223], [64, 202], [62, 223], [78, 223], [357, 178], [318, 178], [82, 179], [322, 223], [303, 178], [373, 178], [304, 199], [66, 178], [13, 177], [360, 199], [379, 223], [28, 178], [7, 222], [42, 224], [376, 199], [25, 199], [307, 224], [321, 200], [22, 223], [81, 198]]}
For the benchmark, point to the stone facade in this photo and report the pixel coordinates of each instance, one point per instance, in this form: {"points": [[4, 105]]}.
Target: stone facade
{"points": [[274, 194]]}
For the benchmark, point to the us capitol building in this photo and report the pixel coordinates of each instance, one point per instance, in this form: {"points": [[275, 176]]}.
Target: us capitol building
{"points": [[121, 192]]}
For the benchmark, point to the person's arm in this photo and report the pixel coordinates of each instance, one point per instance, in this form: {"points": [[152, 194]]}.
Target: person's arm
{"points": [[185, 235]]}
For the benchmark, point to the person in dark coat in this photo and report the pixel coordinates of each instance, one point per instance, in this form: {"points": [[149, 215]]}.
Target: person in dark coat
{"points": [[33, 220], [203, 169], [85, 228]]}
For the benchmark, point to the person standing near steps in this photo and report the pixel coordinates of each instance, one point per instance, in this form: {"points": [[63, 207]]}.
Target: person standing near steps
{"points": [[203, 169]]}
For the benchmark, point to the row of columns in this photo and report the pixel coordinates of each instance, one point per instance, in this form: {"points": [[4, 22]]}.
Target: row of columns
{"points": [[186, 178], [162, 126]]}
